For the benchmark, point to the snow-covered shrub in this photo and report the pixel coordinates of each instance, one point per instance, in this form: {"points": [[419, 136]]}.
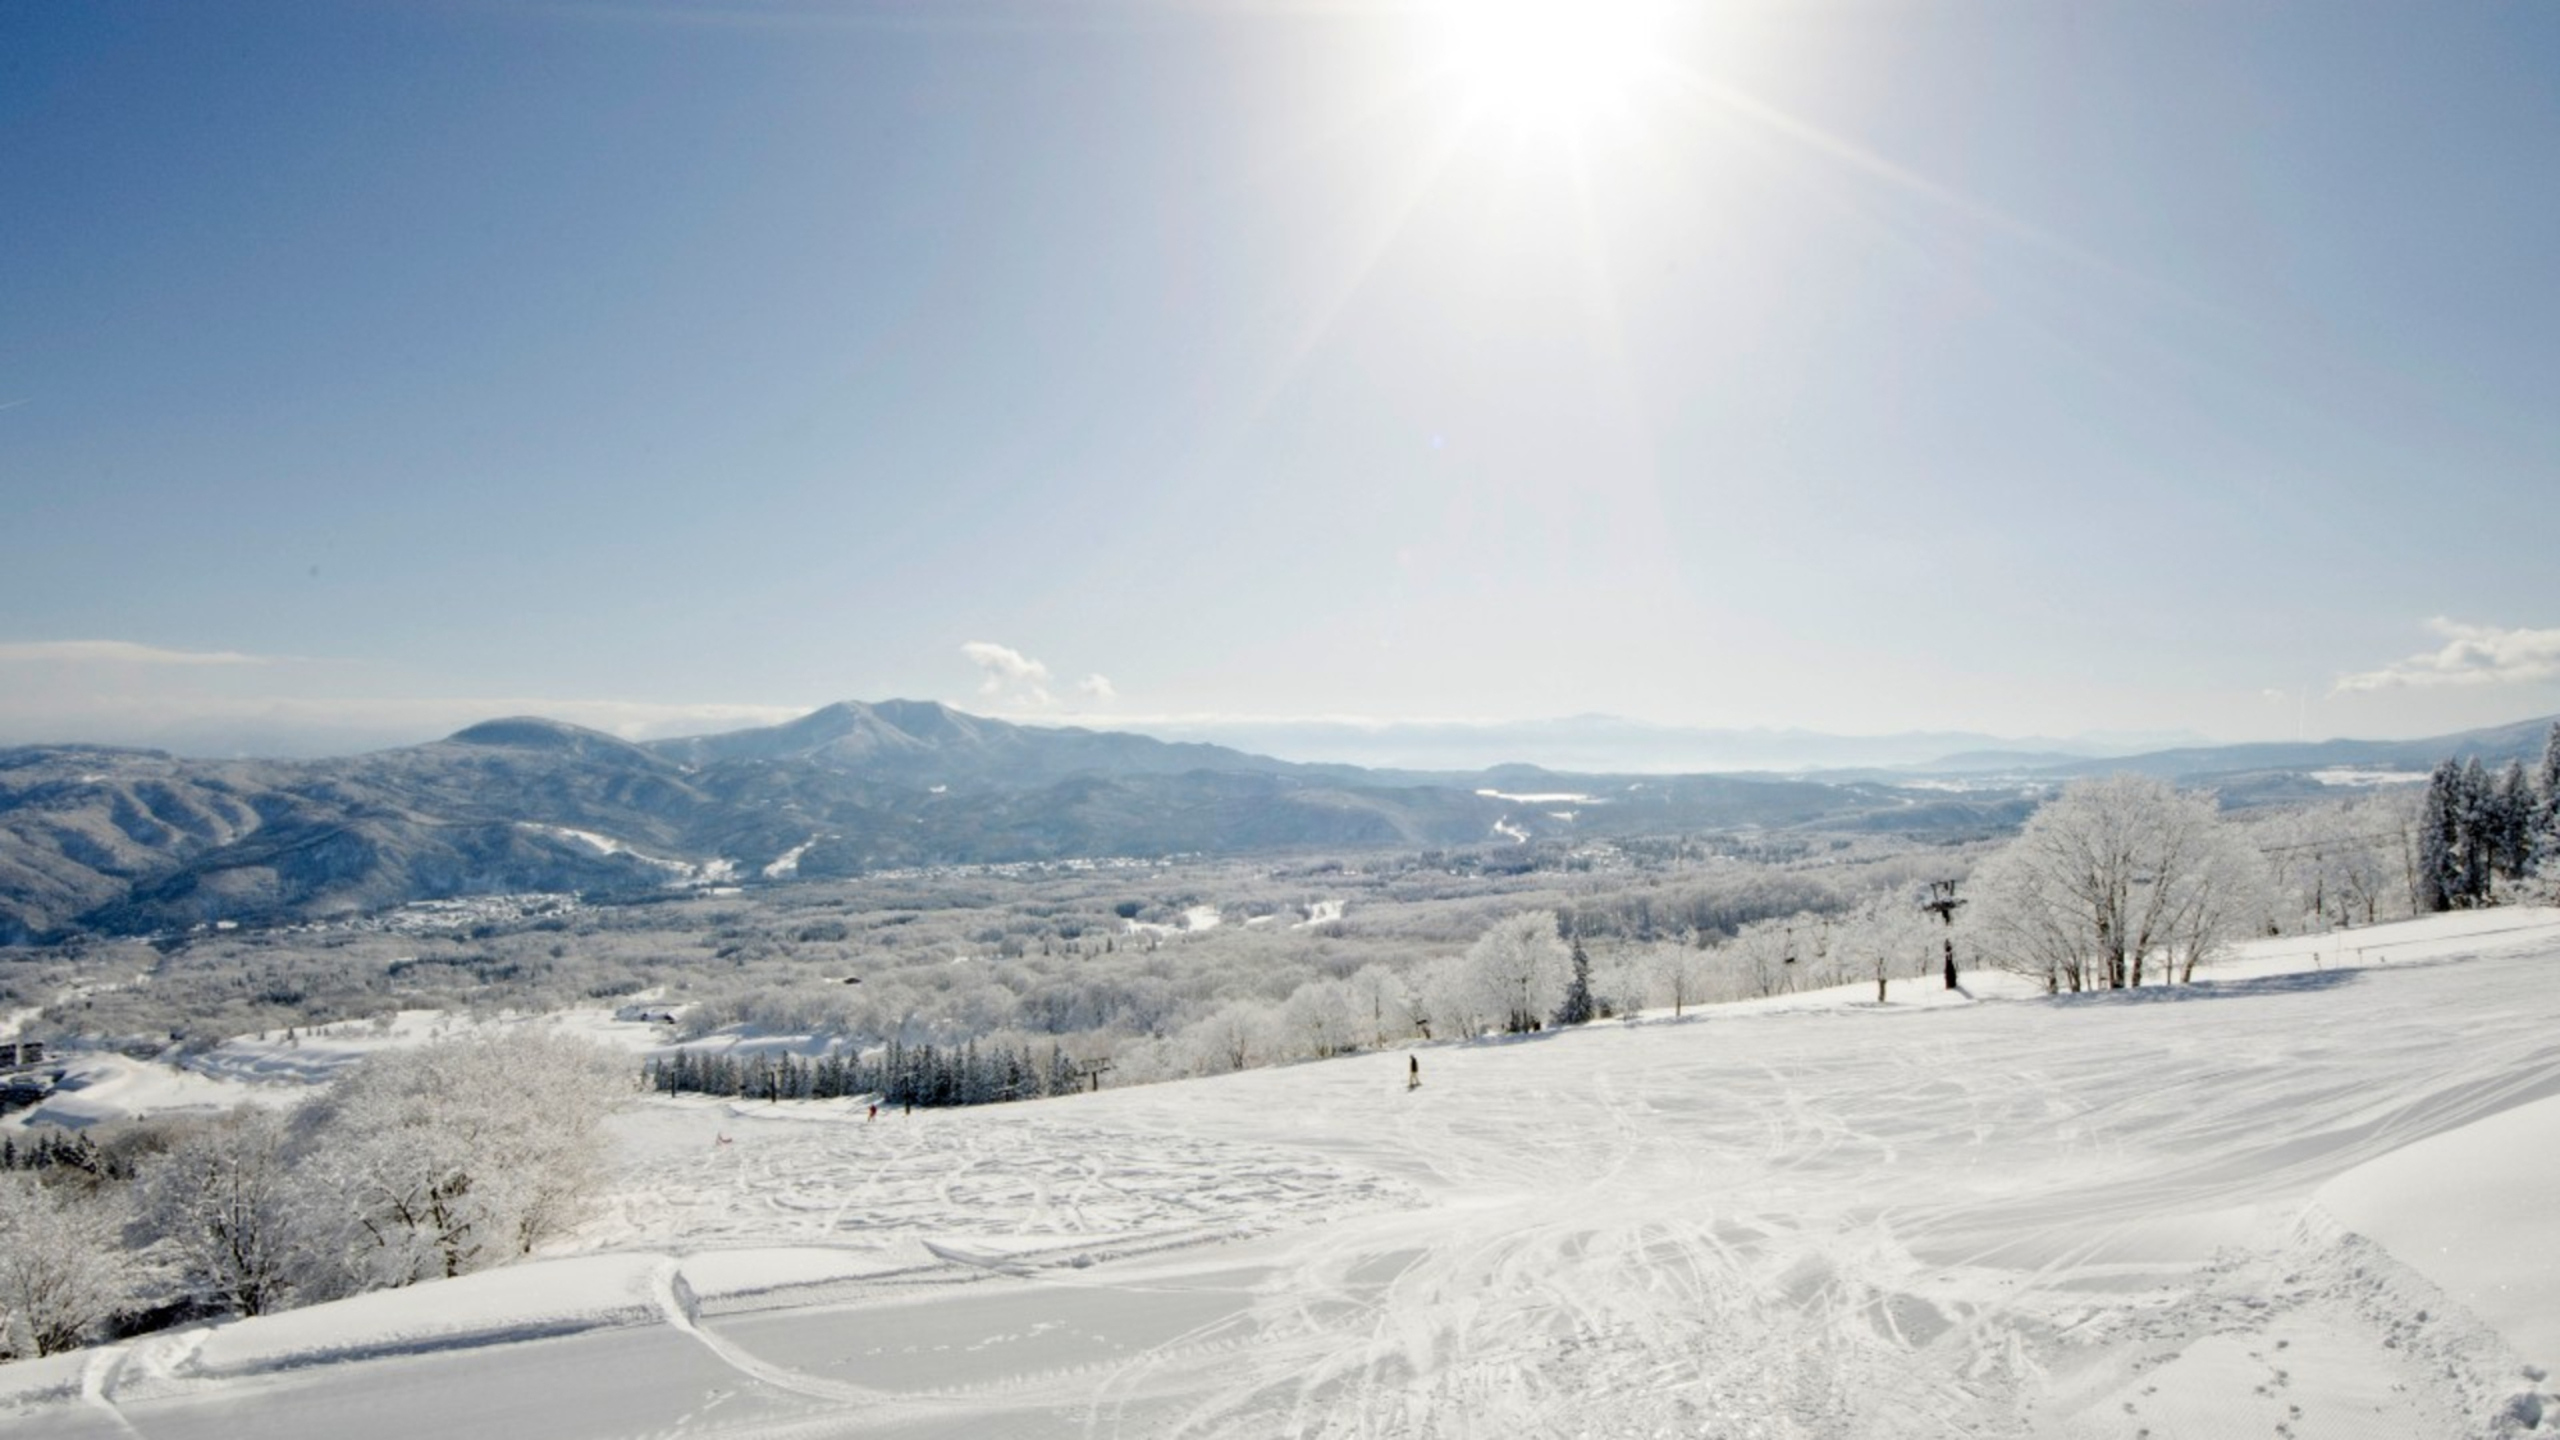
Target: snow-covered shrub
{"points": [[224, 1200], [63, 1266], [454, 1156]]}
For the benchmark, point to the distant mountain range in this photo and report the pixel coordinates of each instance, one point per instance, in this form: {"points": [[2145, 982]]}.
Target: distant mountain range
{"points": [[121, 840], [1613, 744]]}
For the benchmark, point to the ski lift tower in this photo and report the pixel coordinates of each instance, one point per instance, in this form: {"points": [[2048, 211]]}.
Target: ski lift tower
{"points": [[1942, 902]]}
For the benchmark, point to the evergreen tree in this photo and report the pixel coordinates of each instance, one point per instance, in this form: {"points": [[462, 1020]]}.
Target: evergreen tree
{"points": [[2439, 880], [2475, 825], [2472, 832], [2546, 838], [1577, 1007], [2511, 817]]}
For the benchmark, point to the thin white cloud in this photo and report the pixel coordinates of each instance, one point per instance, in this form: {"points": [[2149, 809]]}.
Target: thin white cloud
{"points": [[118, 652], [1007, 673], [2471, 655], [1097, 687], [635, 719]]}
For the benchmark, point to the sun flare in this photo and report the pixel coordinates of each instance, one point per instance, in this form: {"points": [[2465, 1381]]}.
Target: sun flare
{"points": [[1551, 63]]}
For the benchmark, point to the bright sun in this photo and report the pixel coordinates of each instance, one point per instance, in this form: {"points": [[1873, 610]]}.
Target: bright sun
{"points": [[1551, 63]]}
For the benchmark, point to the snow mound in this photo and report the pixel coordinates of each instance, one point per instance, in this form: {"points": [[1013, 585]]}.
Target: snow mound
{"points": [[556, 1297], [2473, 1210]]}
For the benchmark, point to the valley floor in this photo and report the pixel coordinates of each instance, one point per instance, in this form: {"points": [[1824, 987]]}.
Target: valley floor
{"points": [[2298, 1201]]}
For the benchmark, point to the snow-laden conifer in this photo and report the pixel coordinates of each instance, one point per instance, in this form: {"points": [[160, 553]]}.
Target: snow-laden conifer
{"points": [[2438, 883], [1577, 1008], [2546, 833]]}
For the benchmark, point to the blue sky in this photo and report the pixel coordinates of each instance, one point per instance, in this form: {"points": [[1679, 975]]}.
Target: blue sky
{"points": [[369, 367]]}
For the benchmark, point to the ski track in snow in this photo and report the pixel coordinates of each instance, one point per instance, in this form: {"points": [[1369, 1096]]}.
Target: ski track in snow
{"points": [[2088, 1216]]}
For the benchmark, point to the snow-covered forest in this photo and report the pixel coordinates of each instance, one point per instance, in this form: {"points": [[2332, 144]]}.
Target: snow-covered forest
{"points": [[1190, 967]]}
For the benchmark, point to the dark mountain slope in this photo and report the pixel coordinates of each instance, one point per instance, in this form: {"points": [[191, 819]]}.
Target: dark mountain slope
{"points": [[133, 840], [921, 742]]}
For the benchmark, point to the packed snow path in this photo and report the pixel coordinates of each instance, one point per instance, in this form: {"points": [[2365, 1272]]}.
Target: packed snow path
{"points": [[2089, 1216]]}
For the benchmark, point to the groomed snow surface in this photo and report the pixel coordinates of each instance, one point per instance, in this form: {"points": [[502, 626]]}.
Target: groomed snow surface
{"points": [[2316, 1197]]}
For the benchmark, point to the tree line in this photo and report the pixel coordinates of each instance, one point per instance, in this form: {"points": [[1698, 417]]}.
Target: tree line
{"points": [[932, 1075]]}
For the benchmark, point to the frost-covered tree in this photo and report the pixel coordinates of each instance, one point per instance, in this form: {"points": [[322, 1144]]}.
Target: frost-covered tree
{"points": [[2337, 863], [1146, 1060], [2111, 876], [64, 1269], [2223, 896], [455, 1156], [1452, 994], [2376, 867], [224, 1200], [1887, 935], [1419, 1016], [1520, 965], [2018, 926], [1319, 1014], [1683, 972], [1231, 1037], [2355, 857], [1378, 1005], [1621, 982], [1765, 955]]}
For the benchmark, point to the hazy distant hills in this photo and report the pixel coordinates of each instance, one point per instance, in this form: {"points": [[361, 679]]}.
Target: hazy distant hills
{"points": [[136, 840], [1613, 744], [2495, 747]]}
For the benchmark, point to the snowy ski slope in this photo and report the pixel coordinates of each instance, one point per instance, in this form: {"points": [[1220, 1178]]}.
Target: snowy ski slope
{"points": [[2305, 1200]]}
